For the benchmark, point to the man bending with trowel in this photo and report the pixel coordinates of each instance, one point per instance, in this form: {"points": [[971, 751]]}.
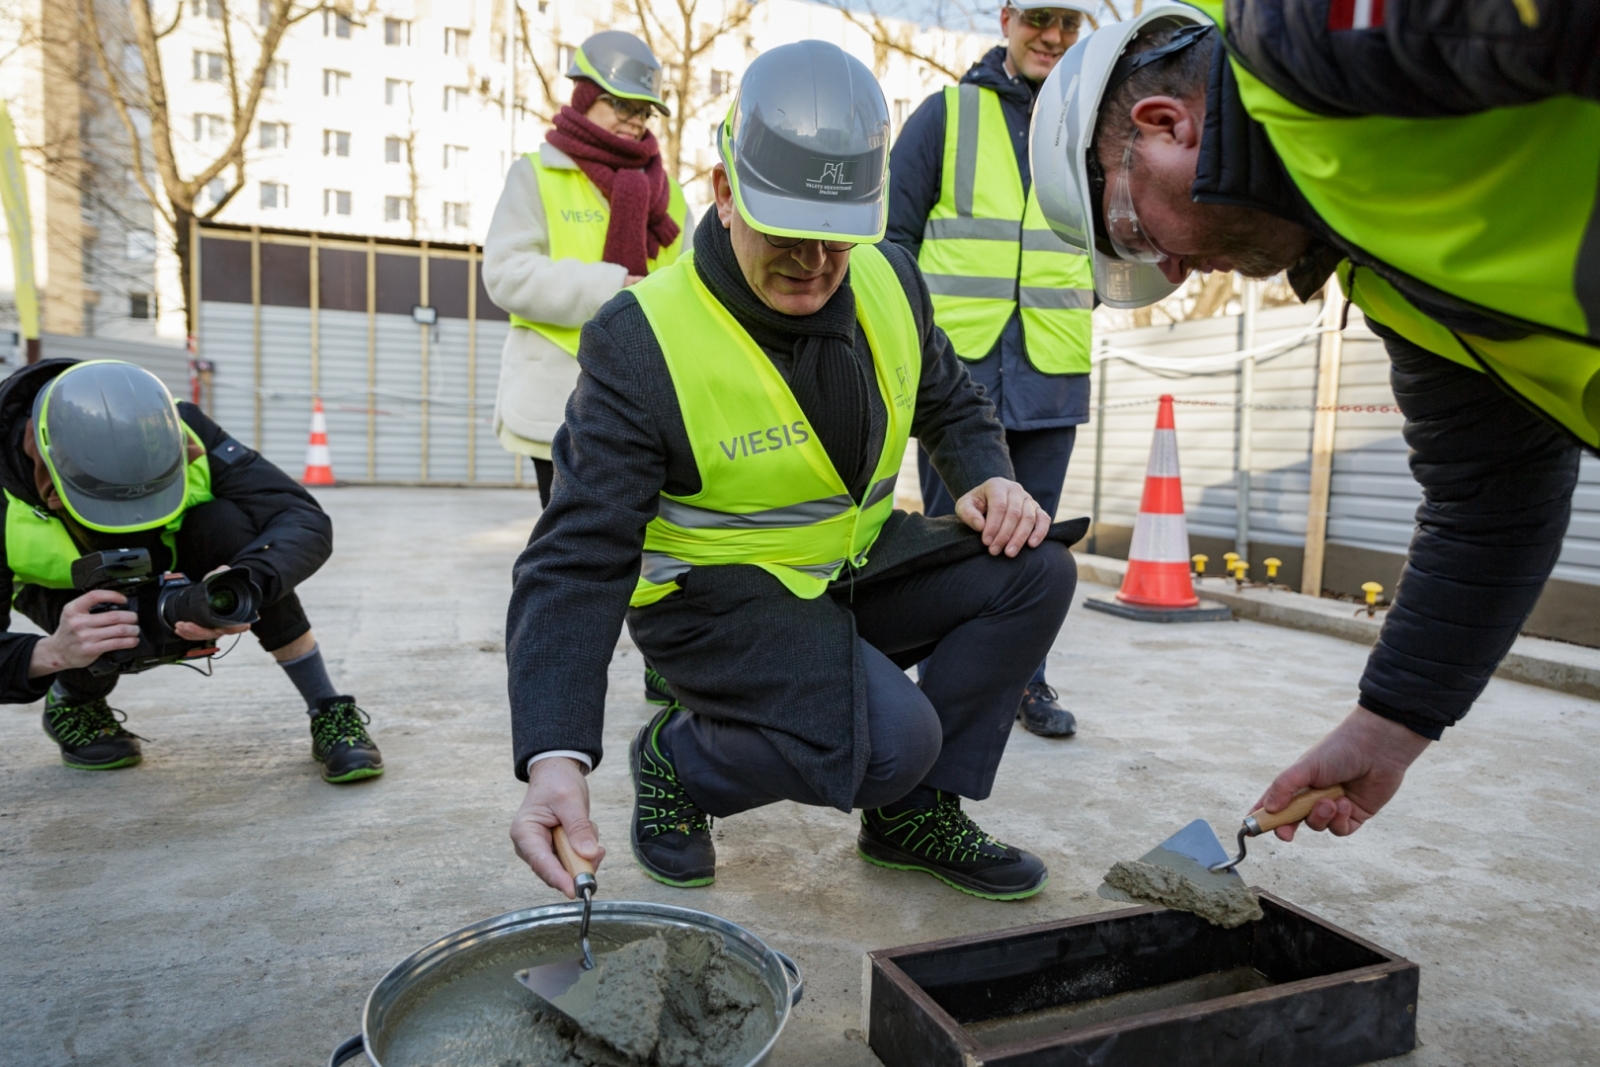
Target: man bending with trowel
{"points": [[725, 482], [1442, 159]]}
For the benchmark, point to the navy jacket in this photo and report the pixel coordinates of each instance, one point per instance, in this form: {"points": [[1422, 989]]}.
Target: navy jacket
{"points": [[1497, 478], [1024, 398]]}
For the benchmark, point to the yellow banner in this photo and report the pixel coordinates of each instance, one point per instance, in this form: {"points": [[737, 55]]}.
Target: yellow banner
{"points": [[14, 192]]}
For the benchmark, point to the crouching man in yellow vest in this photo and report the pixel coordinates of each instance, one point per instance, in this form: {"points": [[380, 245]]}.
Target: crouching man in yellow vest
{"points": [[725, 482]]}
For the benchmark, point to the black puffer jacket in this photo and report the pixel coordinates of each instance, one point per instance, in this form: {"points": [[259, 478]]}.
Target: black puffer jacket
{"points": [[296, 535], [1497, 478]]}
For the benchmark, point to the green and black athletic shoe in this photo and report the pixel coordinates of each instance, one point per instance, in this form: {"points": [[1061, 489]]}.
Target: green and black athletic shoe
{"points": [[340, 742], [944, 841], [90, 735], [656, 689], [671, 836]]}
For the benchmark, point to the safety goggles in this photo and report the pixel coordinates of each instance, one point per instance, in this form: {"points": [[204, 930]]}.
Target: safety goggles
{"points": [[1127, 236], [1043, 18], [794, 242], [629, 110]]}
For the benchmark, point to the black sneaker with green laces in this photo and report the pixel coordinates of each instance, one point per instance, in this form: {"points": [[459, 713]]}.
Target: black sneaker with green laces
{"points": [[340, 742], [671, 836], [656, 689], [943, 841], [90, 734]]}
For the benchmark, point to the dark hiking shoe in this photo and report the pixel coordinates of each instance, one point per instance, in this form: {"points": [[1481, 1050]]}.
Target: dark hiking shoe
{"points": [[944, 841], [671, 836], [90, 734], [340, 742], [1042, 714], [656, 689]]}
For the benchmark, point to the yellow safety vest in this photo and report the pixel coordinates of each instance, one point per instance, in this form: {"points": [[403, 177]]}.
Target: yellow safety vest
{"points": [[769, 496], [987, 247], [40, 550], [576, 217]]}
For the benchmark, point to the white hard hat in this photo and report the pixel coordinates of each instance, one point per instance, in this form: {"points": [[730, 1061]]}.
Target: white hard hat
{"points": [[1066, 5], [1063, 128]]}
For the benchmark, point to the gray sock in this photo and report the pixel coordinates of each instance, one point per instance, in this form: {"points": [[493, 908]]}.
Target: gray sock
{"points": [[310, 675]]}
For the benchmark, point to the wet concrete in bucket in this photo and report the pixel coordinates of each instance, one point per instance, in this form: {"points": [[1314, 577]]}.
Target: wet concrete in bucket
{"points": [[1179, 882], [668, 997]]}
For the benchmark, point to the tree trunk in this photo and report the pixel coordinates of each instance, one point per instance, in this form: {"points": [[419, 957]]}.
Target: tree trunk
{"points": [[183, 220]]}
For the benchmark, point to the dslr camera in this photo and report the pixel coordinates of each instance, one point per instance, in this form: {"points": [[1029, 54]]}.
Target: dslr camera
{"points": [[162, 601]]}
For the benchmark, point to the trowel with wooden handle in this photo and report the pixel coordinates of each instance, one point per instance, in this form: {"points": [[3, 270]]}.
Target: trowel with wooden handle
{"points": [[1190, 869], [549, 981]]}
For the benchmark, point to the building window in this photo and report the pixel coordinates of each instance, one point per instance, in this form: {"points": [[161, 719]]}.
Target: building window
{"points": [[335, 24], [278, 74], [902, 111], [396, 91], [141, 246], [141, 306], [544, 5], [335, 143], [396, 31], [264, 13], [211, 9], [565, 54], [274, 195], [396, 209], [333, 82], [455, 99], [216, 189], [274, 135], [721, 82], [335, 202], [394, 150], [210, 128], [456, 42], [208, 66], [456, 214], [455, 155]]}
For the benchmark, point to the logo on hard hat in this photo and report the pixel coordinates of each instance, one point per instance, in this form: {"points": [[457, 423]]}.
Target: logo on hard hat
{"points": [[833, 177]]}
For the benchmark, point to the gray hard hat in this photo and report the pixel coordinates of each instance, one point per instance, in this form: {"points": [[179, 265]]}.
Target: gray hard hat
{"points": [[110, 436], [806, 145], [622, 65]]}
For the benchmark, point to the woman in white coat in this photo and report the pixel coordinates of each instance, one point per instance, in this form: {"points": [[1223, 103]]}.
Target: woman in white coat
{"points": [[591, 212]]}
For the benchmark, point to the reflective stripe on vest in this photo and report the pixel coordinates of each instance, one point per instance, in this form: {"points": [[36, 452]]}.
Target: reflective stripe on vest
{"points": [[40, 551], [576, 217], [987, 248], [1496, 211], [769, 495]]}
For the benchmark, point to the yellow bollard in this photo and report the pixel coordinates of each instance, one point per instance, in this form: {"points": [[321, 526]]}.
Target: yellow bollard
{"points": [[1200, 559], [1241, 573], [1373, 591], [1273, 563], [1228, 560]]}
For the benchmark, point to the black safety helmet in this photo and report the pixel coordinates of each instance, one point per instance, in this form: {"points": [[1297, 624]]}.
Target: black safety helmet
{"points": [[806, 145], [111, 439], [622, 65]]}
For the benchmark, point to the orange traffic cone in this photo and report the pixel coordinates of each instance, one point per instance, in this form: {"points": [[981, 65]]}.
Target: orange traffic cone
{"points": [[319, 465], [1157, 586]]}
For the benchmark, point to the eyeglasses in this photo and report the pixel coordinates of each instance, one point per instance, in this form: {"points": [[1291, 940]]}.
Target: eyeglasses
{"points": [[1043, 18], [794, 242], [628, 110], [1128, 237]]}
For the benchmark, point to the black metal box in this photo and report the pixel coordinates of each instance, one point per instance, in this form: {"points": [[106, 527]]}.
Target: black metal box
{"points": [[1143, 987]]}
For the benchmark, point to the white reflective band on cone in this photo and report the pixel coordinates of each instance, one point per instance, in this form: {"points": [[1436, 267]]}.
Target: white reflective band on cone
{"points": [[1160, 539], [1163, 456]]}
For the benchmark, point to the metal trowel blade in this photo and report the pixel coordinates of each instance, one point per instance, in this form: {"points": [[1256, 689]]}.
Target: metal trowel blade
{"points": [[549, 981], [1191, 851]]}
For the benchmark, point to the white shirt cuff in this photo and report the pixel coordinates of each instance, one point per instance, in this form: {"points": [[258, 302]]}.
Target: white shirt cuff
{"points": [[581, 757]]}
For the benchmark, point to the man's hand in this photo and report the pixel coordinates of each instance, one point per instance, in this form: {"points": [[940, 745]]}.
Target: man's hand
{"points": [[1005, 514], [632, 279], [1367, 754], [190, 632], [82, 637], [558, 795]]}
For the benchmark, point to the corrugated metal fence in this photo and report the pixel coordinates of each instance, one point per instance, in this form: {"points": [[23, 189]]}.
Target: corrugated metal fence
{"points": [[1372, 497], [285, 317]]}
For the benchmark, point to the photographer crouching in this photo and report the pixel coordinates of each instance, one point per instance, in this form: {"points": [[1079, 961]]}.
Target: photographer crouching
{"points": [[137, 534]]}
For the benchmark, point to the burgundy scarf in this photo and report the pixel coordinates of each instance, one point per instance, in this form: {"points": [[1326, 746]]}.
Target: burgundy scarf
{"points": [[630, 176]]}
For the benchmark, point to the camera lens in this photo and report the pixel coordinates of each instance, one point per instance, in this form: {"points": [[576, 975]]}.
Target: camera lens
{"points": [[226, 599], [223, 601]]}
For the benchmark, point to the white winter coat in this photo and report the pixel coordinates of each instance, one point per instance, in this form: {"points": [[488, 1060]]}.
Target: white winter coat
{"points": [[536, 376]]}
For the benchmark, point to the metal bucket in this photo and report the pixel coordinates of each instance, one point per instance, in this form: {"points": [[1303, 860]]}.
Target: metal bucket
{"points": [[780, 973]]}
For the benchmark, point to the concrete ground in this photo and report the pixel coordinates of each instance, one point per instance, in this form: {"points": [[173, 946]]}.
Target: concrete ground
{"points": [[220, 904]]}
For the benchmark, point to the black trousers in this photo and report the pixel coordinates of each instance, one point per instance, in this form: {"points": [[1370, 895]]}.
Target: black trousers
{"points": [[981, 626], [1040, 459], [212, 534]]}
